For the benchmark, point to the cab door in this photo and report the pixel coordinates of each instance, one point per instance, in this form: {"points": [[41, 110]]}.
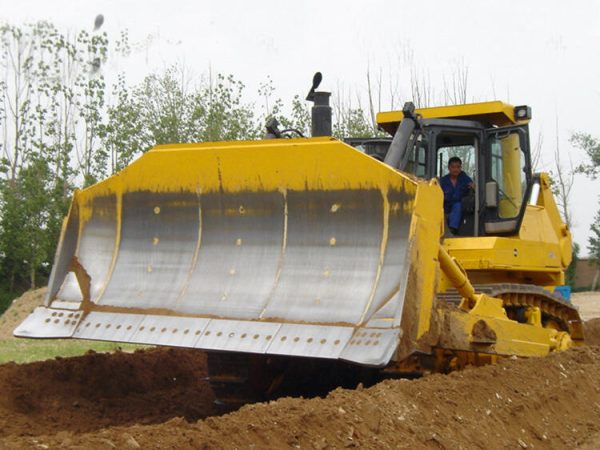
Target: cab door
{"points": [[466, 144], [508, 179]]}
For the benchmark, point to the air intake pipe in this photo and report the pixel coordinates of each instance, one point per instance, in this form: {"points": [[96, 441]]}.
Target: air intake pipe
{"points": [[397, 154]]}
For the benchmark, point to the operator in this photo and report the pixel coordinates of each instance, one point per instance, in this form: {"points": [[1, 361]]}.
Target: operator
{"points": [[456, 184]]}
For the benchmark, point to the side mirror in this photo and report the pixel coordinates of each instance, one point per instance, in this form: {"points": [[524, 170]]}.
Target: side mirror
{"points": [[491, 194]]}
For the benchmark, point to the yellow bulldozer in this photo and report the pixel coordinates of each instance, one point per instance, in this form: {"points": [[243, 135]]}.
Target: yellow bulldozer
{"points": [[298, 254]]}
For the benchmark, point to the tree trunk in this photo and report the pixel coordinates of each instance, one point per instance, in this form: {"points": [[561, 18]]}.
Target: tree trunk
{"points": [[32, 276], [11, 282]]}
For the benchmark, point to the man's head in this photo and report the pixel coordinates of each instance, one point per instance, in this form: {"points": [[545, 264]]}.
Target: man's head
{"points": [[454, 166]]}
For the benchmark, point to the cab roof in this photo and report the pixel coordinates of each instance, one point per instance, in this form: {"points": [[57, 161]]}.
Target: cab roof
{"points": [[488, 113]]}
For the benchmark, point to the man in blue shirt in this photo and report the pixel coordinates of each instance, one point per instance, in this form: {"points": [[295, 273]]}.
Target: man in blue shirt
{"points": [[456, 184]]}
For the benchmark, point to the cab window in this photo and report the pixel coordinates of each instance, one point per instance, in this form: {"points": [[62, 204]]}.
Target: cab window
{"points": [[508, 166], [451, 145], [417, 161]]}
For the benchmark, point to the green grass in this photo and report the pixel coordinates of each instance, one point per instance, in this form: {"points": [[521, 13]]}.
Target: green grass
{"points": [[29, 350]]}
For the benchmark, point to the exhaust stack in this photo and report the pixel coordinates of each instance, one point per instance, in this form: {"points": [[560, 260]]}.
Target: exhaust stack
{"points": [[321, 111]]}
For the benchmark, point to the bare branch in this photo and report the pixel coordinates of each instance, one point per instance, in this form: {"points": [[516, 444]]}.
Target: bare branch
{"points": [[565, 177], [536, 152]]}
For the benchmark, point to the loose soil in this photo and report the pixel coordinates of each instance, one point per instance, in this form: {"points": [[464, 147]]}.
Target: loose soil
{"points": [[588, 304], [159, 398], [19, 310]]}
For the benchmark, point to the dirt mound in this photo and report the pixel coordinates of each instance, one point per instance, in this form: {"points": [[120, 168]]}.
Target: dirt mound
{"points": [[591, 329], [19, 310], [551, 402], [160, 398], [99, 390], [588, 304]]}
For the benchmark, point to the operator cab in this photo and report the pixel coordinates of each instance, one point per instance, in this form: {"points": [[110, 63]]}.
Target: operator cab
{"points": [[490, 138], [492, 141]]}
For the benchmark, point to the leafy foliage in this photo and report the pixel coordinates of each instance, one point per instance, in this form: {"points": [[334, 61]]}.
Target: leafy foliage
{"points": [[594, 240], [353, 123], [591, 167], [571, 272], [591, 147]]}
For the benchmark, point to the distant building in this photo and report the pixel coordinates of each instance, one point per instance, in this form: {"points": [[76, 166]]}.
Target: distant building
{"points": [[587, 275]]}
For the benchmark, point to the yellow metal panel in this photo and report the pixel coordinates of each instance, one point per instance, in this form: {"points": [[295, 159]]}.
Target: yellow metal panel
{"points": [[313, 164], [494, 113], [426, 230], [508, 336], [504, 253], [537, 226], [561, 231]]}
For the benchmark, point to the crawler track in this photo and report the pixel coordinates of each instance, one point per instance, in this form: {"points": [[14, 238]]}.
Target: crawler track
{"points": [[518, 296]]}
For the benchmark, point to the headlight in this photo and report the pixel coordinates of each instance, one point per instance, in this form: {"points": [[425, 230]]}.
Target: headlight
{"points": [[523, 112]]}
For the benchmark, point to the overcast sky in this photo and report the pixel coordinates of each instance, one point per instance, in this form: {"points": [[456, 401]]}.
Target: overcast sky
{"points": [[541, 53]]}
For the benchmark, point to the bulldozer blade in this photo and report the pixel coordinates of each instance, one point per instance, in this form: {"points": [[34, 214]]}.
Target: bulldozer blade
{"points": [[287, 247]]}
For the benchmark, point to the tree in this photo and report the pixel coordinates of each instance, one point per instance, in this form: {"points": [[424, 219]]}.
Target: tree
{"points": [[52, 106], [351, 123], [300, 117], [571, 272], [562, 179], [17, 86], [536, 152], [591, 167], [591, 147], [226, 116], [594, 240], [297, 119], [350, 119], [169, 108], [456, 89], [123, 131]]}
